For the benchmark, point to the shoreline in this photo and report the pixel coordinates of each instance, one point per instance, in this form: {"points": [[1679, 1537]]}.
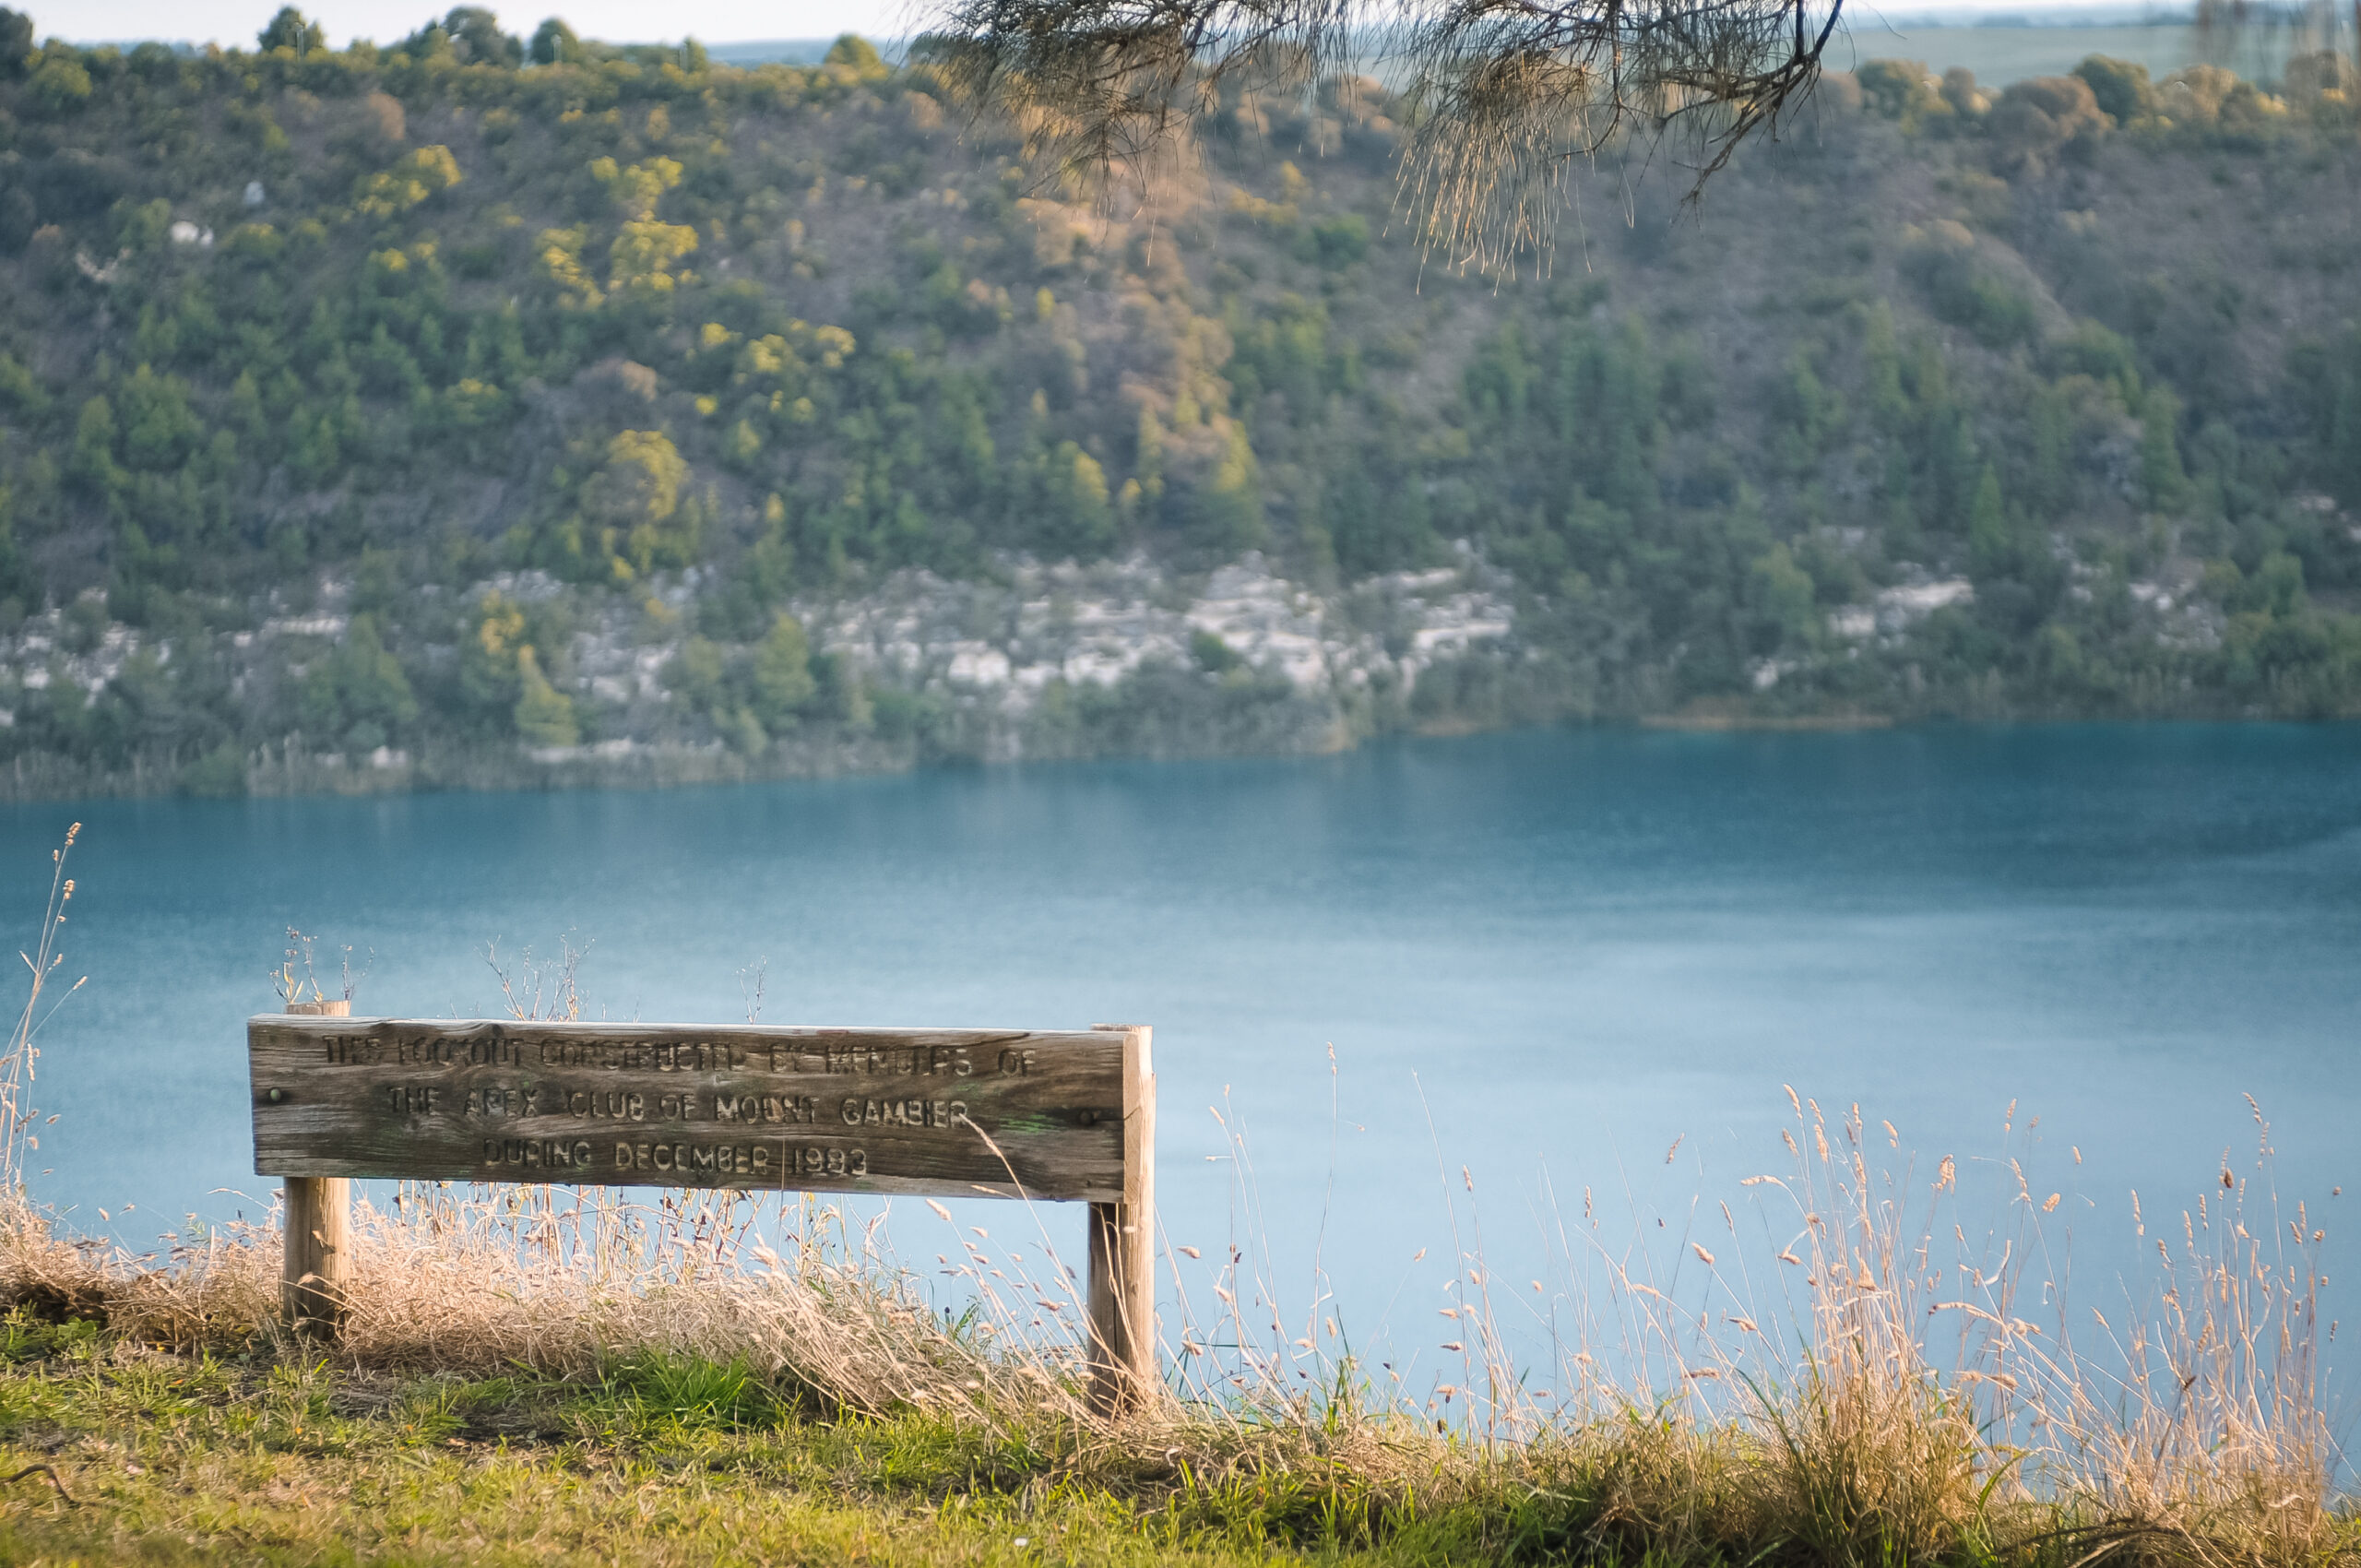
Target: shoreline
{"points": [[1828, 723], [641, 767]]}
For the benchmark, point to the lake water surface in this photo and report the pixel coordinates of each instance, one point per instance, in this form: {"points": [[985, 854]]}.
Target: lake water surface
{"points": [[1540, 956]]}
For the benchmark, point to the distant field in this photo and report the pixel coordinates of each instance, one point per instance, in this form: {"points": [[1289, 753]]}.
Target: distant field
{"points": [[2000, 56], [1997, 55], [771, 52]]}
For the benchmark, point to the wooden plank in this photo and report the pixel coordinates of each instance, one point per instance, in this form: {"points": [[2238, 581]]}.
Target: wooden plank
{"points": [[952, 1113]]}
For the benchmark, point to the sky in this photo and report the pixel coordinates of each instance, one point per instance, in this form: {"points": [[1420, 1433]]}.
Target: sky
{"points": [[712, 21], [238, 21]]}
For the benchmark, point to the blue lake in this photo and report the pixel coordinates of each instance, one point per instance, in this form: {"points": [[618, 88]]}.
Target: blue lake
{"points": [[1542, 956]]}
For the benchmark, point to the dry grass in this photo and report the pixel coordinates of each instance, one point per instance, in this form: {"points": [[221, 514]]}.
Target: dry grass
{"points": [[1874, 1443], [1882, 1394]]}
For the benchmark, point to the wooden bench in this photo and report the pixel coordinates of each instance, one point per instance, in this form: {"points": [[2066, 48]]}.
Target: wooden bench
{"points": [[1055, 1116]]}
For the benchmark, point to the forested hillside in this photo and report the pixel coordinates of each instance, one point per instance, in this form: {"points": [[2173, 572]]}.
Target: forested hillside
{"points": [[472, 410]]}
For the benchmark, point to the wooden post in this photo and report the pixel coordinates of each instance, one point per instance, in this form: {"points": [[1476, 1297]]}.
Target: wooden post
{"points": [[318, 1217], [1124, 1375]]}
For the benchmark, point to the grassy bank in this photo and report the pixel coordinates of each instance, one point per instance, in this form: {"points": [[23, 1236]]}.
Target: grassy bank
{"points": [[270, 1457], [175, 1458], [568, 1377]]}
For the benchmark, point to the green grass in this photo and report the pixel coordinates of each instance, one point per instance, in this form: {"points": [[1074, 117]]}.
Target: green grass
{"points": [[261, 1457], [204, 1458]]}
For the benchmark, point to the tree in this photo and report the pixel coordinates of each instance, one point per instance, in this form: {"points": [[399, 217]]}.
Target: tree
{"points": [[639, 483], [1230, 501], [544, 714], [1901, 89], [1505, 96], [61, 82], [93, 461], [637, 509], [290, 31], [1991, 549], [554, 44], [859, 55], [782, 672], [1784, 601], [1074, 519], [477, 40], [2037, 117], [2162, 478], [2343, 446], [358, 694], [15, 44], [488, 655], [2120, 88]]}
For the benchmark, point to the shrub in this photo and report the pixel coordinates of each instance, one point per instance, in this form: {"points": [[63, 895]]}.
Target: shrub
{"points": [[1963, 290], [1901, 89], [2120, 88], [2037, 119]]}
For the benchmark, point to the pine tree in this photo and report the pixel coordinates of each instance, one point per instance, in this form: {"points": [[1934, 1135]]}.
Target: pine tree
{"points": [[1991, 552], [783, 680], [544, 714], [2162, 478]]}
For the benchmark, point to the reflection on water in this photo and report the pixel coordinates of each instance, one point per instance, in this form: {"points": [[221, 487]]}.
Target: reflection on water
{"points": [[1540, 958]]}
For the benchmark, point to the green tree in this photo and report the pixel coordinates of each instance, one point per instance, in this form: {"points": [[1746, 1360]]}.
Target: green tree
{"points": [[2277, 584], [2342, 448], [782, 672], [1901, 89], [1991, 549], [1076, 519], [15, 44], [694, 674], [2162, 478], [160, 428], [60, 82], [1784, 601], [2121, 87], [1812, 414], [488, 655], [544, 714], [358, 694], [94, 461], [1229, 500], [857, 55], [1882, 359], [289, 29], [554, 44], [477, 40]]}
